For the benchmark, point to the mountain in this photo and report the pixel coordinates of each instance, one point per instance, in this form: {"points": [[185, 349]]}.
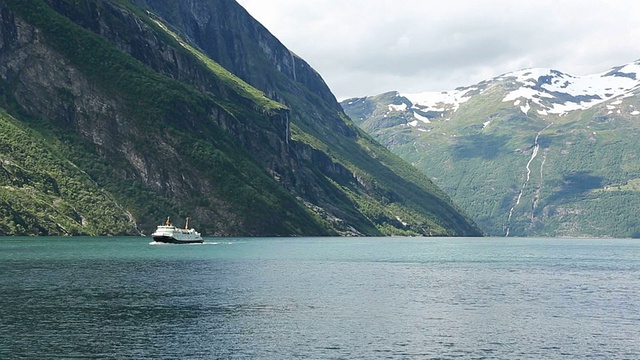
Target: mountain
{"points": [[535, 152], [119, 113]]}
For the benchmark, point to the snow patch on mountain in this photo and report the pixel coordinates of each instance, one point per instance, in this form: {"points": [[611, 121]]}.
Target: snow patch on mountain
{"points": [[424, 119], [558, 93], [440, 101], [524, 108], [393, 107]]}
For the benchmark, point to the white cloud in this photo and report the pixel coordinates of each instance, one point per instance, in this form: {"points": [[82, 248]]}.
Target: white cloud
{"points": [[366, 47]]}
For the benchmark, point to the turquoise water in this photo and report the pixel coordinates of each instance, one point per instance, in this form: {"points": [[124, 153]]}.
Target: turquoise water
{"points": [[320, 298]]}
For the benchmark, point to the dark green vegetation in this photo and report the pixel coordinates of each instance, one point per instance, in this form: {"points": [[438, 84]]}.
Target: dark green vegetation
{"points": [[582, 179], [120, 113]]}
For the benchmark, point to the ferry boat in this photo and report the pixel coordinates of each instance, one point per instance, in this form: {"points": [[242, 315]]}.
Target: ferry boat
{"points": [[168, 233]]}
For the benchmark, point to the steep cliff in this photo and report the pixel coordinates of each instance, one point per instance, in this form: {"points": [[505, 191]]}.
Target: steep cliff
{"points": [[193, 108]]}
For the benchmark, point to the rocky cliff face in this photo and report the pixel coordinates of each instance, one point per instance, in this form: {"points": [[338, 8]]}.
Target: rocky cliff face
{"points": [[137, 98], [228, 34]]}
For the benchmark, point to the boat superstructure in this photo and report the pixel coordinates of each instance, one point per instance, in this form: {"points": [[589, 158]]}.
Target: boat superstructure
{"points": [[168, 233]]}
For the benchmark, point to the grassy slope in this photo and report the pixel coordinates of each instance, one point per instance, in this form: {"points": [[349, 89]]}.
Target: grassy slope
{"points": [[42, 193]]}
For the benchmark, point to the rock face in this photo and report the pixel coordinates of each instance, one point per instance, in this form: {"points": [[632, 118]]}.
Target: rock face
{"points": [[192, 108]]}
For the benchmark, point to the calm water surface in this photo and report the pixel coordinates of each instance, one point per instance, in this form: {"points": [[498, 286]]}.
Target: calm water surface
{"points": [[320, 298]]}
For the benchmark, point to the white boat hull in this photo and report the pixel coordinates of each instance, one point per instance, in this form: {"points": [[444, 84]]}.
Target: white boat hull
{"points": [[171, 240]]}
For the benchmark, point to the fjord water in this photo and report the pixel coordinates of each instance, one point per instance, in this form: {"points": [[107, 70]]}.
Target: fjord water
{"points": [[320, 298]]}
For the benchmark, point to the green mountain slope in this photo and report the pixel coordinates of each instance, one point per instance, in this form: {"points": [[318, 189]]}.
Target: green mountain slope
{"points": [[522, 154], [43, 193], [160, 127]]}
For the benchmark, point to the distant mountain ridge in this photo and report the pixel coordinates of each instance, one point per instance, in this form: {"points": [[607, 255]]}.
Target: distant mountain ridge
{"points": [[186, 108], [535, 152], [548, 91]]}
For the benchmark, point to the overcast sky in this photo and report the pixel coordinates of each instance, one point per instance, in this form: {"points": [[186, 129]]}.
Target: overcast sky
{"points": [[367, 47]]}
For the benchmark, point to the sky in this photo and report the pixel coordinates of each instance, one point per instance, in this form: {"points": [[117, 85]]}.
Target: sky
{"points": [[367, 47]]}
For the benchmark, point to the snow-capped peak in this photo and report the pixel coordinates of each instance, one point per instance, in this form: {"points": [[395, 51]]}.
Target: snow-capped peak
{"points": [[558, 93], [542, 90]]}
